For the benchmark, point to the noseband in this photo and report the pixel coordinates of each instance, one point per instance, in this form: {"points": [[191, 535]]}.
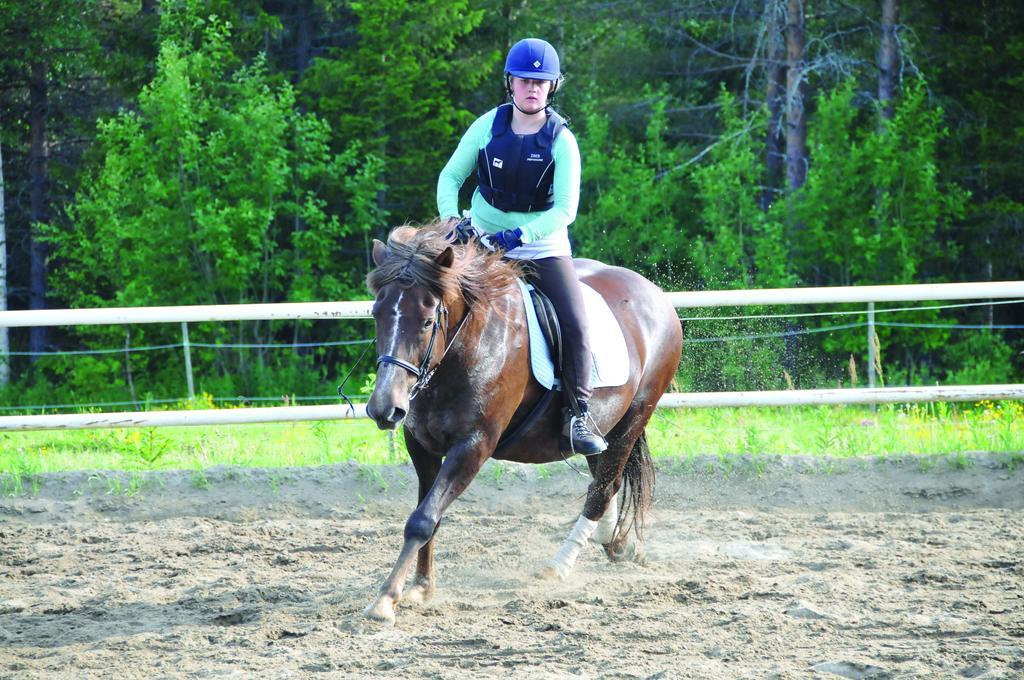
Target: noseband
{"points": [[422, 372]]}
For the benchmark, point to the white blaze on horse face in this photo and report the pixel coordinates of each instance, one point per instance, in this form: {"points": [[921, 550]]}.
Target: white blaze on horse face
{"points": [[393, 343]]}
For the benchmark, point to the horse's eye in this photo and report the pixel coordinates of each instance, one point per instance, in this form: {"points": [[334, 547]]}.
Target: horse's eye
{"points": [[427, 324]]}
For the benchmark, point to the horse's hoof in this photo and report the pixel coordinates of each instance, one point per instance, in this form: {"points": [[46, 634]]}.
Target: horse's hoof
{"points": [[419, 594], [615, 552], [381, 611], [629, 550], [551, 573]]}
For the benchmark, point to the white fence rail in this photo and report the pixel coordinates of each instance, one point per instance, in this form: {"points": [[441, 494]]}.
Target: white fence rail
{"points": [[244, 416], [361, 309]]}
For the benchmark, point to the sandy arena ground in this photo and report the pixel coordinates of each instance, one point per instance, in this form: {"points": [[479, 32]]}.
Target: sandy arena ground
{"points": [[767, 569]]}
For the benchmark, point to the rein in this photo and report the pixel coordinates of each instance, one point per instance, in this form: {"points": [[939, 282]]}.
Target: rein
{"points": [[422, 372]]}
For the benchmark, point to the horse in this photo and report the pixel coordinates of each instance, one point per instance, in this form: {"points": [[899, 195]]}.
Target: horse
{"points": [[453, 364]]}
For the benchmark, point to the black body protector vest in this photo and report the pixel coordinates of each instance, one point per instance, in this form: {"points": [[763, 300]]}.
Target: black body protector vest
{"points": [[516, 173]]}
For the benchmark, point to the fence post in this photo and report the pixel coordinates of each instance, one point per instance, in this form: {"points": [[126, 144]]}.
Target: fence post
{"points": [[871, 344], [188, 360]]}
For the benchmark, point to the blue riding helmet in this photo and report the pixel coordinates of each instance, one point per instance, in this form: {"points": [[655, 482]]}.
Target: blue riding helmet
{"points": [[533, 58]]}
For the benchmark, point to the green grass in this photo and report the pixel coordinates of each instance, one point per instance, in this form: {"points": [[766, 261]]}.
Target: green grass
{"points": [[842, 431], [836, 431], [197, 448]]}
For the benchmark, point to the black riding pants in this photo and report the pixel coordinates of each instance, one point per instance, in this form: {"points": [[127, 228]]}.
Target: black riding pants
{"points": [[556, 278]]}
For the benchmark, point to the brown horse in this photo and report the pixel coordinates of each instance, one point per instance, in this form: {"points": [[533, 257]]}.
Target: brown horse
{"points": [[453, 363]]}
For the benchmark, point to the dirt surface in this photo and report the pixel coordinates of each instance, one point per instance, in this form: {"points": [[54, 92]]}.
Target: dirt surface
{"points": [[757, 568]]}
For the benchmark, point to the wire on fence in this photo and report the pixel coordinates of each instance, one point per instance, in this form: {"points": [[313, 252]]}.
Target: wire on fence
{"points": [[848, 312], [181, 345], [147, 402]]}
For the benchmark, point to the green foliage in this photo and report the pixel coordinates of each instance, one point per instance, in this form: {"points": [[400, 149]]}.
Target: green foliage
{"points": [[212, 192], [395, 89], [741, 246], [832, 207], [208, 194], [738, 245], [874, 208], [218, 175], [630, 198], [874, 201], [978, 358]]}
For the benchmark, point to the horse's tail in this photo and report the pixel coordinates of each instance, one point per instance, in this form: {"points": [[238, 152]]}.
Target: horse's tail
{"points": [[638, 479]]}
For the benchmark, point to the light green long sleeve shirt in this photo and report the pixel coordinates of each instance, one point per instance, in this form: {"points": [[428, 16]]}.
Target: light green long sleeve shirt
{"points": [[536, 226]]}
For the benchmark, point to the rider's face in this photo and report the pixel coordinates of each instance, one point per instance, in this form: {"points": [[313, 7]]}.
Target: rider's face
{"points": [[531, 95]]}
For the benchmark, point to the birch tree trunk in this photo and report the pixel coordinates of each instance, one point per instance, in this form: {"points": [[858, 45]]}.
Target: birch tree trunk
{"points": [[796, 124]]}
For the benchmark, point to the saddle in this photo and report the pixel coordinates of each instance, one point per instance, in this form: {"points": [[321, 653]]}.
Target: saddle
{"points": [[550, 328], [607, 344]]}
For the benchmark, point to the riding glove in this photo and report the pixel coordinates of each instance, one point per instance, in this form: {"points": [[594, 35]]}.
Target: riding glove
{"points": [[508, 239], [462, 232]]}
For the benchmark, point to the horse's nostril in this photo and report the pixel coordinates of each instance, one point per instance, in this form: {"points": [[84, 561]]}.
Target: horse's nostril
{"points": [[397, 415]]}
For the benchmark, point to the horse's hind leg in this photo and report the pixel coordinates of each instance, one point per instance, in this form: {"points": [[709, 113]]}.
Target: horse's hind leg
{"points": [[605, 531], [595, 523], [626, 542], [591, 524]]}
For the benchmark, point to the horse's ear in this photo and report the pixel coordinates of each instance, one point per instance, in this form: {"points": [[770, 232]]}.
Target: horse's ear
{"points": [[378, 252], [445, 259]]}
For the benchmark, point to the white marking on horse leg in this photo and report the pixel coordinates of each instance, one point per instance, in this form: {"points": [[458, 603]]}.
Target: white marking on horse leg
{"points": [[561, 564], [606, 525]]}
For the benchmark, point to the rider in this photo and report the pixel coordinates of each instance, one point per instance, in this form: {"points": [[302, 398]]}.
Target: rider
{"points": [[528, 174]]}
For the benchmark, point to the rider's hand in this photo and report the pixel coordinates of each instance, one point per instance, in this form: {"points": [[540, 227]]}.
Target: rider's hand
{"points": [[461, 230], [508, 239]]}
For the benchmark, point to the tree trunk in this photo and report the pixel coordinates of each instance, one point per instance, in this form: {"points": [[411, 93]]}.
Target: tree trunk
{"points": [[796, 125], [888, 53], [888, 58], [5, 343], [38, 199], [303, 37], [775, 19]]}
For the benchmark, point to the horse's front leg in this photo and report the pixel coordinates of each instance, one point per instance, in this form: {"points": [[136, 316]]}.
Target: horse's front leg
{"points": [[427, 467], [459, 468]]}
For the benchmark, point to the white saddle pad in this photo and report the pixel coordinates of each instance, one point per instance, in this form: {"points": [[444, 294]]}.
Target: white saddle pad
{"points": [[607, 344]]}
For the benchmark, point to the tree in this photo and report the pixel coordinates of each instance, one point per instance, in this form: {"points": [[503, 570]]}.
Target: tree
{"points": [[875, 207], [631, 195], [739, 246], [47, 47], [888, 57], [200, 191], [775, 100], [395, 89], [5, 342], [796, 85]]}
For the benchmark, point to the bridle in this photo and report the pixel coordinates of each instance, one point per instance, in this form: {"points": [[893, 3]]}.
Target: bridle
{"points": [[423, 372]]}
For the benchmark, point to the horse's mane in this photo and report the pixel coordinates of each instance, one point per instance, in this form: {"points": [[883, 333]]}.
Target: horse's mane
{"points": [[476, 274]]}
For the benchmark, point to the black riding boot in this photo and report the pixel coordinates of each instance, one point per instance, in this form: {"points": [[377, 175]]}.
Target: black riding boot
{"points": [[577, 437]]}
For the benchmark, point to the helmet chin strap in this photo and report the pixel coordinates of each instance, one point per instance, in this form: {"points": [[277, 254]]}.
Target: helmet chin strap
{"points": [[511, 96], [522, 110]]}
